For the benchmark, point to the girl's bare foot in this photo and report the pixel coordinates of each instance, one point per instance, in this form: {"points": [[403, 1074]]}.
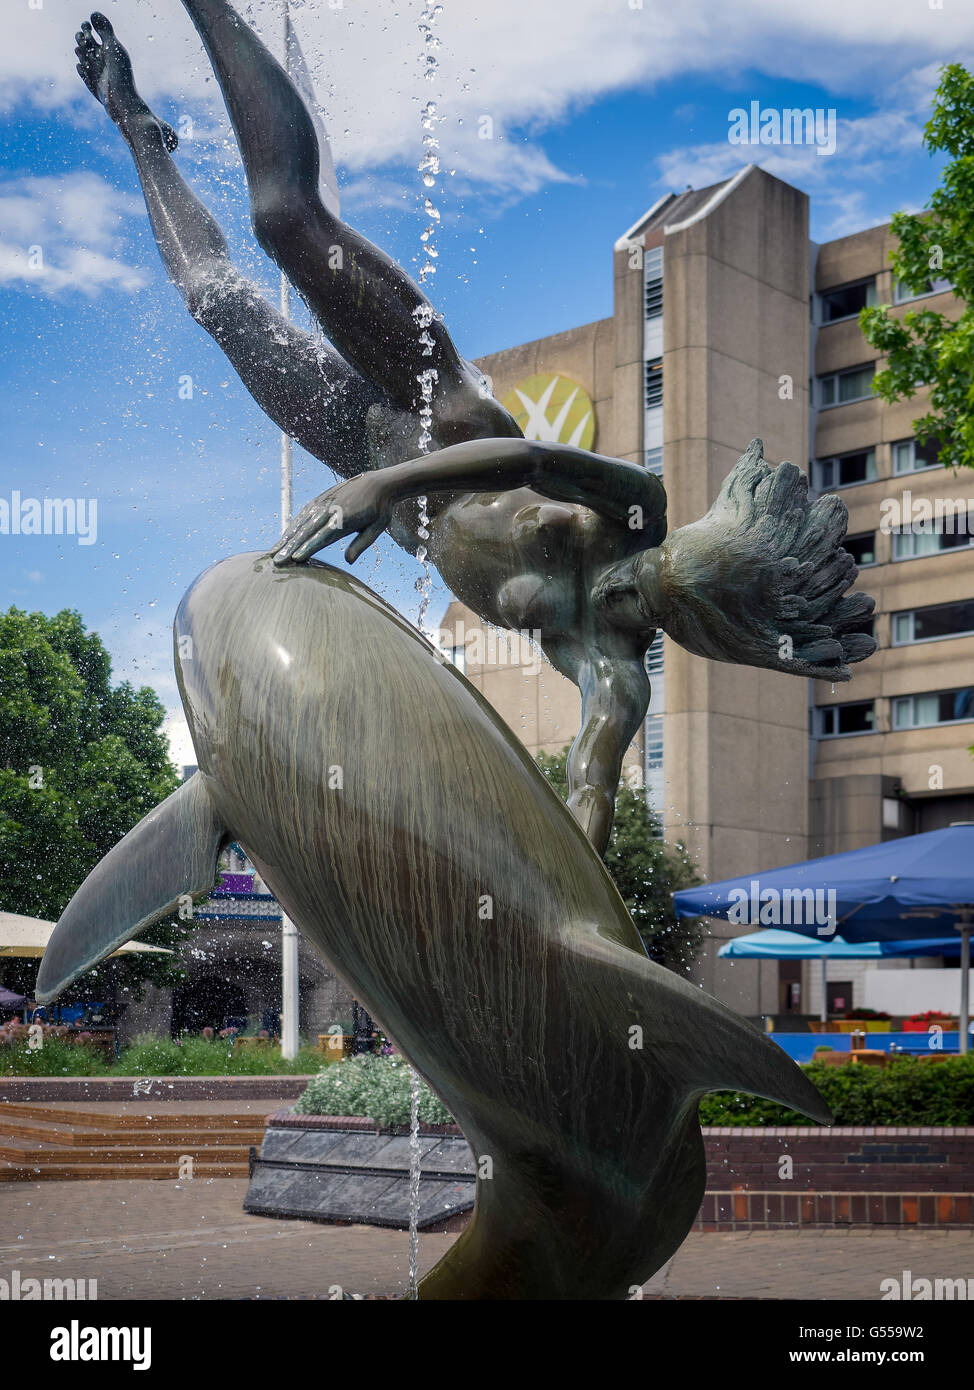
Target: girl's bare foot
{"points": [[106, 70]]}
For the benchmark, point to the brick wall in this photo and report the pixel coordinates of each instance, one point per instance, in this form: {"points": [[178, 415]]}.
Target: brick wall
{"points": [[838, 1177]]}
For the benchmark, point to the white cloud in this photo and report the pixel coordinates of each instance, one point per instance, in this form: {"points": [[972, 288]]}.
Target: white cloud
{"points": [[62, 233], [142, 653], [868, 149], [527, 64]]}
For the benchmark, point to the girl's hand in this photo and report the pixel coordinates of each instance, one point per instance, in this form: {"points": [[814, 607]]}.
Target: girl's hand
{"points": [[361, 506]]}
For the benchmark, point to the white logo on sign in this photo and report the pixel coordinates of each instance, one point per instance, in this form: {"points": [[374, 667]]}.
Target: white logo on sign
{"points": [[538, 425]]}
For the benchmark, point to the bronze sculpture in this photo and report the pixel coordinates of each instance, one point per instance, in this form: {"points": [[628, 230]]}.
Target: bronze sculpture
{"points": [[399, 823], [414, 841], [529, 536]]}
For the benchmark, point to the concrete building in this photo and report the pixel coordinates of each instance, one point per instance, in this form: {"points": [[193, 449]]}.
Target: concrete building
{"points": [[728, 323]]}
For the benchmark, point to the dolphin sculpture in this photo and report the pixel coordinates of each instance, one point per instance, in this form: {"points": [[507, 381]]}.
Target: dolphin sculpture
{"points": [[415, 843]]}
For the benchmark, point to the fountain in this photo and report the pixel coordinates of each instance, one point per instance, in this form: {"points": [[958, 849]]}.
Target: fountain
{"points": [[589, 1156]]}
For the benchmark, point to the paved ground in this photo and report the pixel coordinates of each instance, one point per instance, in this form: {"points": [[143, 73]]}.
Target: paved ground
{"points": [[162, 1240]]}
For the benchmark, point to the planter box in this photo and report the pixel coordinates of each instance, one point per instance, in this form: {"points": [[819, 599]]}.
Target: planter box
{"points": [[335, 1047], [949, 1025], [862, 1025]]}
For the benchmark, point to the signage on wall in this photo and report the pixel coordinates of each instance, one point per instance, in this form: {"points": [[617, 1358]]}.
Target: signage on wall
{"points": [[553, 408]]}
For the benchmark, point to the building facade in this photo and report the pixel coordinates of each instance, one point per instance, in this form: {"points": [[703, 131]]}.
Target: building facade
{"points": [[729, 323], [232, 965]]}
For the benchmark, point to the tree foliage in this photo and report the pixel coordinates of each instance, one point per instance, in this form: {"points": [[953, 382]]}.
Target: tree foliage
{"points": [[646, 871], [81, 761], [923, 347]]}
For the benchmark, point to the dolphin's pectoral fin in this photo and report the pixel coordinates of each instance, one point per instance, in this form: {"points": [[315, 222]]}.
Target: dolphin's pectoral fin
{"points": [[172, 851]]}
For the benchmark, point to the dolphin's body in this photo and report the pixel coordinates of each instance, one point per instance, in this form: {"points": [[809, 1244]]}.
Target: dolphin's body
{"points": [[450, 887]]}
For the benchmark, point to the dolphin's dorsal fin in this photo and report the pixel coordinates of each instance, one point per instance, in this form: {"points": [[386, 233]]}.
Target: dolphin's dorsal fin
{"points": [[171, 852]]}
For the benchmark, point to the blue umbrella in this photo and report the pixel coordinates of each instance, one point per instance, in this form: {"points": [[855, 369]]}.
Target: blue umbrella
{"points": [[915, 887], [789, 945]]}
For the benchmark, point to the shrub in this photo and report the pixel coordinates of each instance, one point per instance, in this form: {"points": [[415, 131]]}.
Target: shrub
{"points": [[203, 1056], [376, 1087], [907, 1091], [152, 1056], [55, 1058]]}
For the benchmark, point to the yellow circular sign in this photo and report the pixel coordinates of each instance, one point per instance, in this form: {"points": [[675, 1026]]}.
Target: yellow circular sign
{"points": [[553, 408]]}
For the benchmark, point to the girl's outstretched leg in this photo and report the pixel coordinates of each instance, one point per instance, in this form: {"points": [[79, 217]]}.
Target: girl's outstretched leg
{"points": [[365, 302], [305, 387]]}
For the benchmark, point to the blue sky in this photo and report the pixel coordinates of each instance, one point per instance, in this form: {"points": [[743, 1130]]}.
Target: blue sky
{"points": [[598, 109]]}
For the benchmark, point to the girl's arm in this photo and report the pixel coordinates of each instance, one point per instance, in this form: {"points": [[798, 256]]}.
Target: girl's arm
{"points": [[624, 492]]}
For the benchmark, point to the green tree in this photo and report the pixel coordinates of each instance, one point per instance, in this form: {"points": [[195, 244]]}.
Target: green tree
{"points": [[923, 347], [81, 761], [645, 869]]}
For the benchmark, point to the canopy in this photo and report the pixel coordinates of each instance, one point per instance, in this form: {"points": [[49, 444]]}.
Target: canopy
{"points": [[9, 1000], [28, 936], [914, 887], [789, 945], [900, 890]]}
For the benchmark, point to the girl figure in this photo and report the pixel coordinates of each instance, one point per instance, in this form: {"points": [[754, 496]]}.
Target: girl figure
{"points": [[528, 535]]}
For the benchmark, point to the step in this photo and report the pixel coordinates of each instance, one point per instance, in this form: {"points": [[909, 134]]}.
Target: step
{"points": [[81, 1172], [135, 1119], [47, 1154], [79, 1139]]}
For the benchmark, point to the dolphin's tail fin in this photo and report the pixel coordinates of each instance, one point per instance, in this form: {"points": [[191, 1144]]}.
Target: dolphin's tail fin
{"points": [[171, 852]]}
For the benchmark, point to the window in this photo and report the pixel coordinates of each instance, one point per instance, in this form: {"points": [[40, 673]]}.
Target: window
{"points": [[845, 302], [911, 545], [839, 388], [909, 455], [942, 707], [930, 624], [857, 717], [657, 701], [654, 382], [457, 656], [862, 548], [846, 469], [654, 461], [654, 743], [654, 657], [901, 292], [653, 268]]}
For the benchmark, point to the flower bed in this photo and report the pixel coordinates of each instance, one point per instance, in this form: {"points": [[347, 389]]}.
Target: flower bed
{"points": [[151, 1056]]}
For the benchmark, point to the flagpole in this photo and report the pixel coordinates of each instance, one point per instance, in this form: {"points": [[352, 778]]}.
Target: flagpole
{"points": [[290, 1000]]}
